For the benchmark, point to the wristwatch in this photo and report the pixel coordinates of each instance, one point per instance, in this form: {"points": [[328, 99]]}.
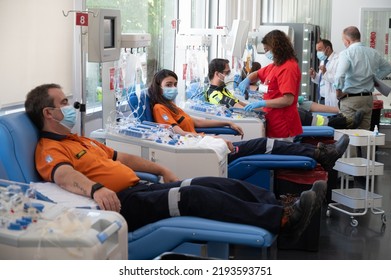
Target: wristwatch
{"points": [[94, 188]]}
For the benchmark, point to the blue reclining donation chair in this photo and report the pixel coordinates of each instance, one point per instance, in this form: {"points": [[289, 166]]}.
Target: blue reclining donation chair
{"points": [[189, 235]]}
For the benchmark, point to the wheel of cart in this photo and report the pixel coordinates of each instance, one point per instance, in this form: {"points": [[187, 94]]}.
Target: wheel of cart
{"points": [[384, 218], [328, 212], [353, 222]]}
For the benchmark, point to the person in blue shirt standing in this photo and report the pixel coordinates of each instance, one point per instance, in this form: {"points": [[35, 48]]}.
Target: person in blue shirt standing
{"points": [[354, 78]]}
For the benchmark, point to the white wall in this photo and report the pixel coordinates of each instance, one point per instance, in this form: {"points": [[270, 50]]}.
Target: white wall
{"points": [[347, 13], [36, 46]]}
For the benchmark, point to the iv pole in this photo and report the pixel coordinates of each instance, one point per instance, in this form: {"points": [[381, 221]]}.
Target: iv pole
{"points": [[81, 21]]}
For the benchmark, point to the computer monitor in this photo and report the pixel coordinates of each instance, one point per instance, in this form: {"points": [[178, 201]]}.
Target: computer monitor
{"points": [[239, 33], [104, 35]]}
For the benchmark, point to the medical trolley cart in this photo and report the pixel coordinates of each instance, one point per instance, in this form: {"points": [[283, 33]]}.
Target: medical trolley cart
{"points": [[357, 201]]}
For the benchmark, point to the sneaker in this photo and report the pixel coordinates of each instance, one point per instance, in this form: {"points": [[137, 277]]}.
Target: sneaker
{"points": [[297, 217], [328, 154]]}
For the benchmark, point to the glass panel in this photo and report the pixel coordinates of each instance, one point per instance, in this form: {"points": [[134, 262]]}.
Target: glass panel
{"points": [[376, 33], [198, 13], [385, 116], [191, 51], [153, 17], [376, 30]]}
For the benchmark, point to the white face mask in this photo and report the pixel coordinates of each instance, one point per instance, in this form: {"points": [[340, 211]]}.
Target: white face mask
{"points": [[229, 78]]}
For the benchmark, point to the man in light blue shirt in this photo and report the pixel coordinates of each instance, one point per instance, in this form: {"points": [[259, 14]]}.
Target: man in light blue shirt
{"points": [[356, 69]]}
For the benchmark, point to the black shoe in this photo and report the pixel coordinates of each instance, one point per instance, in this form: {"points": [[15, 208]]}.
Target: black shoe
{"points": [[298, 216], [328, 154], [320, 189], [339, 121]]}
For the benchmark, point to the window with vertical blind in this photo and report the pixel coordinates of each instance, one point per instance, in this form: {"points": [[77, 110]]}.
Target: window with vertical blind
{"points": [[299, 11]]}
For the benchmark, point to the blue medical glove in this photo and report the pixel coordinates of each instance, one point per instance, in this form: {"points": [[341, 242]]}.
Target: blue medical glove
{"points": [[255, 105], [237, 80], [244, 85]]}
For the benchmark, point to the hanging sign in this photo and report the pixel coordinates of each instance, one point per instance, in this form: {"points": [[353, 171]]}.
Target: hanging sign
{"points": [[112, 78], [372, 40], [173, 24], [82, 19]]}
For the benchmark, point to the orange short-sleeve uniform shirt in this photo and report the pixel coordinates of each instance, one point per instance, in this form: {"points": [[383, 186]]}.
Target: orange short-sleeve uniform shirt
{"points": [[164, 115], [90, 157]]}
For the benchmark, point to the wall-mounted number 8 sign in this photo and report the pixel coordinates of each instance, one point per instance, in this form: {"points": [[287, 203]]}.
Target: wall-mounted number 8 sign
{"points": [[82, 19]]}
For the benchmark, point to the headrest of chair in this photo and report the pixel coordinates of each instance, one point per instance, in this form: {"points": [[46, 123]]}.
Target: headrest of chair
{"points": [[19, 138], [140, 105]]}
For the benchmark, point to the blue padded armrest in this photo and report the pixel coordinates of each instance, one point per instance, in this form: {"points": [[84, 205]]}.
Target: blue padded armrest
{"points": [[245, 167], [177, 230], [269, 161], [317, 131], [324, 114], [217, 130], [148, 177]]}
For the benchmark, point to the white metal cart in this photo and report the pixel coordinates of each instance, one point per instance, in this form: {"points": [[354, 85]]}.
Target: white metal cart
{"points": [[357, 201]]}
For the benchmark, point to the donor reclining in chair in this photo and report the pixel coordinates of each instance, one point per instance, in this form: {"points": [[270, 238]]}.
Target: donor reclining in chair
{"points": [[89, 168]]}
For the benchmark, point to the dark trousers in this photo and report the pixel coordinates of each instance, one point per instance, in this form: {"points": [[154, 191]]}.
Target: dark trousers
{"points": [[215, 198], [257, 146]]}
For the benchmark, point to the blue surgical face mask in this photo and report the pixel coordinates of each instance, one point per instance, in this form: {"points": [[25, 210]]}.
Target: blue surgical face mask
{"points": [[170, 93], [321, 56], [269, 55], [69, 119]]}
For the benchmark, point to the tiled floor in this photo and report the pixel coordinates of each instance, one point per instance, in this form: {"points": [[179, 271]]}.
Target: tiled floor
{"points": [[370, 240]]}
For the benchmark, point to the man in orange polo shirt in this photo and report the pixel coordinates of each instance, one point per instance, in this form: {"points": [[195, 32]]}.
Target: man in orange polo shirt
{"points": [[86, 167]]}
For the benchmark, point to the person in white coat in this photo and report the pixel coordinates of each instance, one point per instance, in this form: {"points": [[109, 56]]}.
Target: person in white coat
{"points": [[325, 76]]}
